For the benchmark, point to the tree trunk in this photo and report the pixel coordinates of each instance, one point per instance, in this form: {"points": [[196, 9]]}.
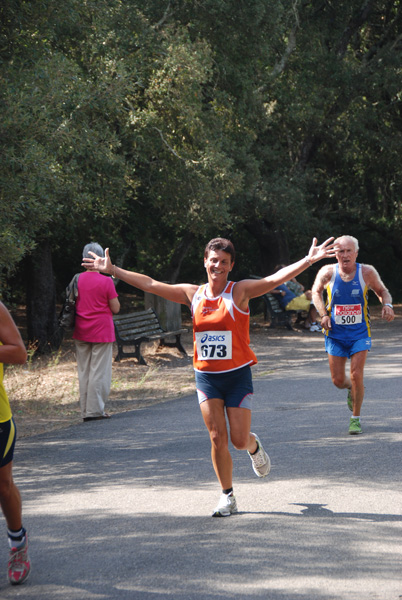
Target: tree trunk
{"points": [[42, 326], [172, 271], [272, 244]]}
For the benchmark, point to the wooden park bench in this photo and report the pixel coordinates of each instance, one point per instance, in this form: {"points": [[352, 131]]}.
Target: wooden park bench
{"points": [[135, 328], [277, 315]]}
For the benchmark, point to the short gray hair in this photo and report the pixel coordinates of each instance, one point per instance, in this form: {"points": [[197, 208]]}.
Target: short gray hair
{"points": [[93, 247], [348, 237]]}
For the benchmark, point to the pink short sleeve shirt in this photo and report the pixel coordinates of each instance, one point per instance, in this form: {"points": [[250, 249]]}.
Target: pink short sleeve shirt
{"points": [[94, 319]]}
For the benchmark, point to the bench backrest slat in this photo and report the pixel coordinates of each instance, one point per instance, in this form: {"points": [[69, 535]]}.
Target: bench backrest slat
{"points": [[135, 325], [136, 333], [276, 307], [134, 317]]}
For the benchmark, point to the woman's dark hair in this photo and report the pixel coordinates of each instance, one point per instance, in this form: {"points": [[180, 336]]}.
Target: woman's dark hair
{"points": [[220, 244]]}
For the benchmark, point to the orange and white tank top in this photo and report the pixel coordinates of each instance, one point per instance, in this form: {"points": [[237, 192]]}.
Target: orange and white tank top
{"points": [[221, 332]]}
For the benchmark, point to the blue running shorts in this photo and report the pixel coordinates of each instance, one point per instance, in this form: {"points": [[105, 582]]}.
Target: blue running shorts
{"points": [[346, 348], [235, 388], [8, 435]]}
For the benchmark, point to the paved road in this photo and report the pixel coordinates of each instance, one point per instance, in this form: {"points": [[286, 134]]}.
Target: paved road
{"points": [[120, 509]]}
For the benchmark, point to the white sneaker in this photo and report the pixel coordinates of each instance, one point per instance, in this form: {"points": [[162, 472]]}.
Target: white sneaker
{"points": [[227, 505], [260, 460], [315, 327]]}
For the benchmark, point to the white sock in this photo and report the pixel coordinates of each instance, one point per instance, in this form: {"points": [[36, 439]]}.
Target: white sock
{"points": [[16, 539]]}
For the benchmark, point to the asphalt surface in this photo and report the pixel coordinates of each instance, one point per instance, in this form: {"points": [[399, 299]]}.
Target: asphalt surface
{"points": [[120, 509]]}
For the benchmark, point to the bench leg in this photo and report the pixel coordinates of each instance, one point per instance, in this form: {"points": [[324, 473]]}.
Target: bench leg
{"points": [[119, 354], [136, 354], [177, 344], [285, 320], [273, 321]]}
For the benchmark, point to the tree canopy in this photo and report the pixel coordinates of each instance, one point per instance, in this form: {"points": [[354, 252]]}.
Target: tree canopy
{"points": [[151, 126]]}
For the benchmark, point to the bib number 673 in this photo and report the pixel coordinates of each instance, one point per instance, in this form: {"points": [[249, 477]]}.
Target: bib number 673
{"points": [[213, 351]]}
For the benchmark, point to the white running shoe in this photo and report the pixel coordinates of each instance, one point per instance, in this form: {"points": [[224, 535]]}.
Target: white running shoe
{"points": [[315, 327], [227, 505], [260, 460]]}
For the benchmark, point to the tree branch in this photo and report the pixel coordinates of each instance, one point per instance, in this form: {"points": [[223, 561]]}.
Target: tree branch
{"points": [[173, 151], [291, 45], [166, 15], [354, 24]]}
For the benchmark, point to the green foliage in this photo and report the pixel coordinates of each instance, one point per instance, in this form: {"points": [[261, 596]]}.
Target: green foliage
{"points": [[151, 125]]}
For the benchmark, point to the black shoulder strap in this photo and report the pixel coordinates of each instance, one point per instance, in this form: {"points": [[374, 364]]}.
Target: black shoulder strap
{"points": [[72, 288]]}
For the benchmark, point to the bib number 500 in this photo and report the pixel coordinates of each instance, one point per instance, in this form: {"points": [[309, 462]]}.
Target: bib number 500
{"points": [[347, 314], [348, 320]]}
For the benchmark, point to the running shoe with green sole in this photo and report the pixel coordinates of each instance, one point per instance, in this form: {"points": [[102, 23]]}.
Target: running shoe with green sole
{"points": [[355, 427]]}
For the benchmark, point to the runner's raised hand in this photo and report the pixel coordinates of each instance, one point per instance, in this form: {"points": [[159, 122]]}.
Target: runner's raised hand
{"points": [[325, 250], [98, 263]]}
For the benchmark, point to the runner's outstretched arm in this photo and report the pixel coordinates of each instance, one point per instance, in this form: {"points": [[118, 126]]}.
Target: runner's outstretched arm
{"points": [[181, 293], [252, 288]]}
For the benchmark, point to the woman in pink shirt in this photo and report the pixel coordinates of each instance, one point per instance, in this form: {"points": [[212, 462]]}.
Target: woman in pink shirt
{"points": [[94, 335]]}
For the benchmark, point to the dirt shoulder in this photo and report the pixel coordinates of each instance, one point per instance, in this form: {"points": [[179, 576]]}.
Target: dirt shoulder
{"points": [[44, 392]]}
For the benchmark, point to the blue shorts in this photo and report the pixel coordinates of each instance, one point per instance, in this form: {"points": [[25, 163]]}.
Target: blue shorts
{"points": [[8, 435], [346, 348], [235, 388]]}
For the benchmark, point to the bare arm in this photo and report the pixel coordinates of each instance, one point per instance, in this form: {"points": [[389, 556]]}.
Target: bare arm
{"points": [[317, 293], [374, 282], [181, 293], [12, 350], [252, 288], [114, 305]]}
